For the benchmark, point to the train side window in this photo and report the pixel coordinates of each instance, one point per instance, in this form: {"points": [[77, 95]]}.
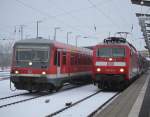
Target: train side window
{"points": [[64, 58], [72, 59]]}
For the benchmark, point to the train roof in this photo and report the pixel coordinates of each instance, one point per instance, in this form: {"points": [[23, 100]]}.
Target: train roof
{"points": [[116, 41], [51, 43]]}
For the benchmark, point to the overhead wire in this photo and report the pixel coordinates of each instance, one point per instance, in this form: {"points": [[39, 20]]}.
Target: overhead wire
{"points": [[55, 17], [45, 14], [103, 13], [124, 19]]}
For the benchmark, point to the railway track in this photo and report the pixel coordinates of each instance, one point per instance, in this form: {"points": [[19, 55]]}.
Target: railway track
{"points": [[103, 105], [7, 97], [4, 102], [69, 106], [4, 78]]}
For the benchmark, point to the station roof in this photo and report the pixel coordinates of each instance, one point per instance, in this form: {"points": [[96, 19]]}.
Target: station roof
{"points": [[144, 22], [141, 2]]}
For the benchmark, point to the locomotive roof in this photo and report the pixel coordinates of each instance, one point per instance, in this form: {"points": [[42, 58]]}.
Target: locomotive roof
{"points": [[116, 41], [51, 43]]}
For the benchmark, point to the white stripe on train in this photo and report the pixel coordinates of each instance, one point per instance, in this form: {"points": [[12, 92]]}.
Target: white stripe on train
{"points": [[112, 64], [54, 75]]}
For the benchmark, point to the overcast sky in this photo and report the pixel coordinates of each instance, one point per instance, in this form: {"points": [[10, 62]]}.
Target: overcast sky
{"points": [[95, 19]]}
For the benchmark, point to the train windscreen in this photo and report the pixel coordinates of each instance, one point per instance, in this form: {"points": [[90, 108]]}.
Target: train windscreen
{"points": [[110, 52], [32, 56]]}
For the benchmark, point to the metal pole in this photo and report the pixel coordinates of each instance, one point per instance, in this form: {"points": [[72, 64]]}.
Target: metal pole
{"points": [[21, 31], [37, 29], [76, 38], [55, 33], [55, 29], [67, 36], [76, 41]]}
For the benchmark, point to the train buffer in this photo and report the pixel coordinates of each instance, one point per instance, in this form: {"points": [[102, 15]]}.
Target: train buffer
{"points": [[132, 102]]}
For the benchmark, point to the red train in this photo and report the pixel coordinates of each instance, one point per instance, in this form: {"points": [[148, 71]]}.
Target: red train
{"points": [[41, 64], [115, 63]]}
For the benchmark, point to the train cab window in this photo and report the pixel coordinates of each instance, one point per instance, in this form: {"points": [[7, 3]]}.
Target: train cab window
{"points": [[104, 52], [64, 58], [111, 52], [118, 52]]}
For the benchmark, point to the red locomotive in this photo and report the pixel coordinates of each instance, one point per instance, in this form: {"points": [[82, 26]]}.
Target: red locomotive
{"points": [[115, 63], [41, 64]]}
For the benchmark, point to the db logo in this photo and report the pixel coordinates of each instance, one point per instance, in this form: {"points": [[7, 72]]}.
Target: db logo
{"points": [[110, 63]]}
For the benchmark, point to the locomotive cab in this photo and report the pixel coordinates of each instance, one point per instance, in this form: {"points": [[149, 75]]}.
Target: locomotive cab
{"points": [[113, 63]]}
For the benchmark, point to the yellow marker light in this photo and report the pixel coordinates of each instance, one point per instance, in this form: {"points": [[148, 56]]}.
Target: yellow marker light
{"points": [[30, 63], [43, 72], [16, 72], [98, 70], [121, 70]]}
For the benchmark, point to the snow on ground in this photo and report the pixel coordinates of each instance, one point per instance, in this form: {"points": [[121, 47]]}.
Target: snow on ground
{"points": [[5, 89], [4, 75], [39, 108], [88, 106]]}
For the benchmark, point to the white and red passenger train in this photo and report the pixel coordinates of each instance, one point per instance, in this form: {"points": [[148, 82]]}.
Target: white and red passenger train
{"points": [[41, 64], [115, 63]]}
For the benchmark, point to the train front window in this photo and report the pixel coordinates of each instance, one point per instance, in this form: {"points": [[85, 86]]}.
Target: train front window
{"points": [[110, 52], [39, 56], [118, 52], [104, 52]]}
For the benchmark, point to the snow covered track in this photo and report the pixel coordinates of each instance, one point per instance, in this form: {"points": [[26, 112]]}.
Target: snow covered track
{"points": [[14, 100], [100, 107], [13, 96], [84, 106], [80, 101], [4, 75], [77, 102], [25, 96]]}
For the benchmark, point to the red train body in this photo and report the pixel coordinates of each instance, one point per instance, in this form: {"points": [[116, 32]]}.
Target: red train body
{"points": [[41, 64], [115, 63]]}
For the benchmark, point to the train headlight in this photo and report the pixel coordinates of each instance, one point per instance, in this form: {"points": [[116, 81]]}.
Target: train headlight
{"points": [[121, 70], [98, 69], [43, 73], [30, 63], [110, 59], [16, 72]]}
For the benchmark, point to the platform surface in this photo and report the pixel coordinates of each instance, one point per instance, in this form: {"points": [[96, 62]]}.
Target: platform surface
{"points": [[132, 102]]}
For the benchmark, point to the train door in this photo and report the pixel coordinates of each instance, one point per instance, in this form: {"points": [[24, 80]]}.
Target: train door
{"points": [[58, 63], [62, 63]]}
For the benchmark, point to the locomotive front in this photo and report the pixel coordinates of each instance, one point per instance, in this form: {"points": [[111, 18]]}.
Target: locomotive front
{"points": [[110, 61], [30, 65]]}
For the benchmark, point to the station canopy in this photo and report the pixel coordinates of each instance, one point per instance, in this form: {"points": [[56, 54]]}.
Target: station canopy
{"points": [[141, 2], [144, 22]]}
